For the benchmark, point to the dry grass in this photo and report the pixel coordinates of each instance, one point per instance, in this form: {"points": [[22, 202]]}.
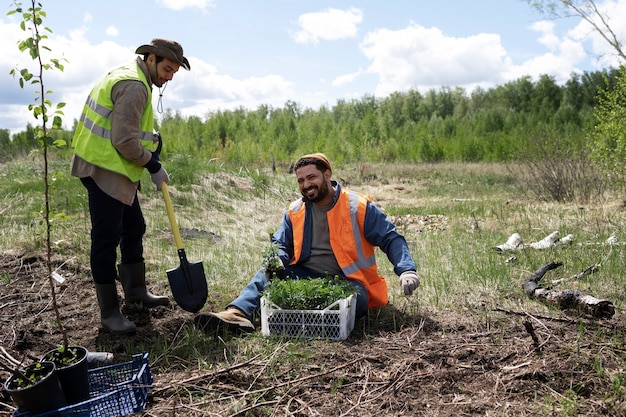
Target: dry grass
{"points": [[458, 347]]}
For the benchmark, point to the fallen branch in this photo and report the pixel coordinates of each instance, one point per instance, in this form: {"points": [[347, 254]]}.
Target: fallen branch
{"points": [[197, 378], [566, 299], [587, 271], [531, 331]]}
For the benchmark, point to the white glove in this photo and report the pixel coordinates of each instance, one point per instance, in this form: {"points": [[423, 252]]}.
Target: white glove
{"points": [[160, 177], [409, 281]]}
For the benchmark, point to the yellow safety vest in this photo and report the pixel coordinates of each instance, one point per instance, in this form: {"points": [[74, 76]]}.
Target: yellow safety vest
{"points": [[92, 139]]}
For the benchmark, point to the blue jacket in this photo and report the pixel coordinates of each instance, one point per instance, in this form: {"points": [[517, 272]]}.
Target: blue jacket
{"points": [[379, 231]]}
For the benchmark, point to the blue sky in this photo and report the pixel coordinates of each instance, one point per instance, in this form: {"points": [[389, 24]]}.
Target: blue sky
{"points": [[245, 53]]}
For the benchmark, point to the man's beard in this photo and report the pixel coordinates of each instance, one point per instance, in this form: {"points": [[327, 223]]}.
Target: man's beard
{"points": [[154, 74], [321, 194]]}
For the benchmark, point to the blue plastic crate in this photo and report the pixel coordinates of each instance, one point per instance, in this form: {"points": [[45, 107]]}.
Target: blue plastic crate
{"points": [[114, 390]]}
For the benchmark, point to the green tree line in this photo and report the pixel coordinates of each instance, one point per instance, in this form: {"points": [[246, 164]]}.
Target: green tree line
{"points": [[499, 124]]}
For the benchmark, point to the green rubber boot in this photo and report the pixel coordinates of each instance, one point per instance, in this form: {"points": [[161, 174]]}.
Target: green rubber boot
{"points": [[133, 279], [111, 317]]}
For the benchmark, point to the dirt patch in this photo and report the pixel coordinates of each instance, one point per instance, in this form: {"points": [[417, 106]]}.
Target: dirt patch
{"points": [[444, 364]]}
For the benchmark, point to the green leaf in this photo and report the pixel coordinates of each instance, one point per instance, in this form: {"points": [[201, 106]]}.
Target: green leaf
{"points": [[26, 75], [57, 123], [59, 143]]}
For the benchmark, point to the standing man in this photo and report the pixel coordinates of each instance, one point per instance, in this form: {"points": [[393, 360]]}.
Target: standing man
{"points": [[113, 143], [329, 231]]}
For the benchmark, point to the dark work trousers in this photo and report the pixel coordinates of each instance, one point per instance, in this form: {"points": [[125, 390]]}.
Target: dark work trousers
{"points": [[113, 223]]}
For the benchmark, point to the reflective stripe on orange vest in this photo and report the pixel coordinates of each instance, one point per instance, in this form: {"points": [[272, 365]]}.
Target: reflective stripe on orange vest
{"points": [[355, 255]]}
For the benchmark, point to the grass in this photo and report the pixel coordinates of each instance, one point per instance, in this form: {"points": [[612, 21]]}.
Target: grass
{"points": [[452, 216]]}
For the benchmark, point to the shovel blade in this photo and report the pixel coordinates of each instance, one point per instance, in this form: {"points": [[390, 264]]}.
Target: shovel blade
{"points": [[188, 285]]}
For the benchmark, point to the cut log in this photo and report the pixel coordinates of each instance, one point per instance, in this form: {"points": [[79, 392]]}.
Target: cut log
{"points": [[566, 299], [515, 242]]}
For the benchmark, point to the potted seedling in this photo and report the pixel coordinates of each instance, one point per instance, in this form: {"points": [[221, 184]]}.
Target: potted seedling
{"points": [[73, 371], [38, 381], [67, 359]]}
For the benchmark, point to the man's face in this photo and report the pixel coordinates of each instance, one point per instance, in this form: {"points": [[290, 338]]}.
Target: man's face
{"points": [[163, 71], [315, 184]]}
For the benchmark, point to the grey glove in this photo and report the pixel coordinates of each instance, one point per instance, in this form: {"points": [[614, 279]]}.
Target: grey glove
{"points": [[409, 280], [160, 177]]}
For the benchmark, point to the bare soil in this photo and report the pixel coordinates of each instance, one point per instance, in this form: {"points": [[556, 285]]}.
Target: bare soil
{"points": [[481, 363]]}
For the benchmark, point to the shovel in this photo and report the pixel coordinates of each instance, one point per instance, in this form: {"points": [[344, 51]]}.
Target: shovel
{"points": [[187, 281]]}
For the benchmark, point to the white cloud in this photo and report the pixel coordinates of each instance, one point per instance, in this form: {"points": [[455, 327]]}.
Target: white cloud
{"points": [[561, 59], [195, 92], [330, 25], [548, 38], [187, 4], [346, 78], [417, 57], [112, 31], [426, 58], [615, 12], [85, 63], [204, 89]]}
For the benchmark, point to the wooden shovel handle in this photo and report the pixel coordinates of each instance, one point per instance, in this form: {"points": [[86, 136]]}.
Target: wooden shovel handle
{"points": [[170, 214]]}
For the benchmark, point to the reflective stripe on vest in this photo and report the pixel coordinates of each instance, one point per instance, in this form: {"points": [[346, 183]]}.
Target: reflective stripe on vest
{"points": [[92, 140], [355, 255]]}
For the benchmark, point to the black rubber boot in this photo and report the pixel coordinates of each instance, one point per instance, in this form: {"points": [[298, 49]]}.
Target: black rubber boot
{"points": [[133, 279], [111, 317]]}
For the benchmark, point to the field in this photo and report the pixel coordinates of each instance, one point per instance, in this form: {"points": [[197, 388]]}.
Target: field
{"points": [[469, 342]]}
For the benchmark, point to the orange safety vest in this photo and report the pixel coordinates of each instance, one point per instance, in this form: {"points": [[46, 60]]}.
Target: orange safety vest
{"points": [[355, 255]]}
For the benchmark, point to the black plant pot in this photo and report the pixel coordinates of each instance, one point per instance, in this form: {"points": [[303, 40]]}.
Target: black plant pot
{"points": [[44, 395], [73, 371]]}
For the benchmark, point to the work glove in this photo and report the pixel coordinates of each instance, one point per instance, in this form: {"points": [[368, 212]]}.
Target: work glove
{"points": [[274, 268], [159, 178], [409, 280]]}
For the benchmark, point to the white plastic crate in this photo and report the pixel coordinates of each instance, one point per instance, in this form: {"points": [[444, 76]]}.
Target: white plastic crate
{"points": [[335, 322]]}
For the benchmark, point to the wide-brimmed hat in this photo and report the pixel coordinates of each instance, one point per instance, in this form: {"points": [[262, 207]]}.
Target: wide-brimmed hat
{"points": [[167, 49]]}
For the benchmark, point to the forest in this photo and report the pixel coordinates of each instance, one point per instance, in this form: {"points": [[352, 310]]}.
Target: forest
{"points": [[509, 122]]}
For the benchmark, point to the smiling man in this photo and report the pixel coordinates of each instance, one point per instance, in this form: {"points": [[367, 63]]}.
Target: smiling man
{"points": [[113, 143], [328, 232]]}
